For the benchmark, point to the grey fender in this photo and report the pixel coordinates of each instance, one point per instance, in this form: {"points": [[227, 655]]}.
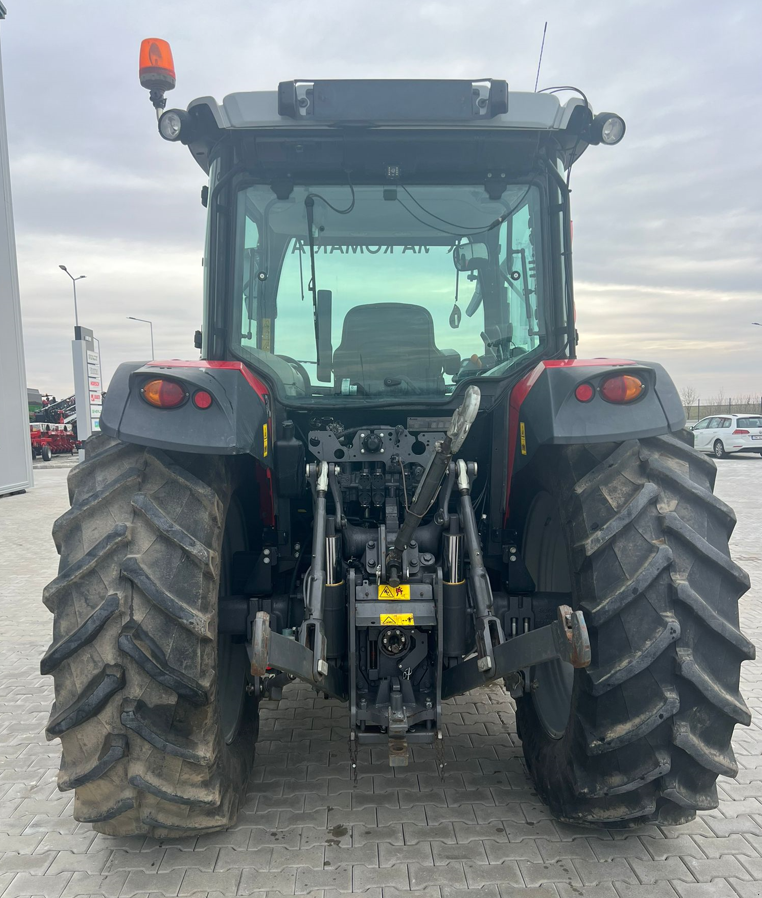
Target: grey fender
{"points": [[237, 422]]}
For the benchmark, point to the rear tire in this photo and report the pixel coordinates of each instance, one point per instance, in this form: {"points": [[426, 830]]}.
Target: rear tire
{"points": [[47, 453], [719, 449], [140, 691], [634, 532]]}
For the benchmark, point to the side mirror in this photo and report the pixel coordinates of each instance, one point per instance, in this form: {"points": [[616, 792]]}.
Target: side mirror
{"points": [[470, 256]]}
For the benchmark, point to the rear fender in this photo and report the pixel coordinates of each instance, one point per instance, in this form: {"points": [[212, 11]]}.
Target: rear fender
{"points": [[238, 422], [544, 411]]}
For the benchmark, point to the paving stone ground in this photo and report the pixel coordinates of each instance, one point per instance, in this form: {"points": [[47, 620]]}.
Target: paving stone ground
{"points": [[304, 830]]}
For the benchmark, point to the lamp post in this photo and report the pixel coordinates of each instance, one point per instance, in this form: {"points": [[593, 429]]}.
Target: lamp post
{"points": [[150, 324], [74, 285]]}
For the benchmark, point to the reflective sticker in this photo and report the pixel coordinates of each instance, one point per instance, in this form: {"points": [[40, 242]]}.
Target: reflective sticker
{"points": [[397, 620], [523, 433], [395, 593], [264, 343], [264, 440]]}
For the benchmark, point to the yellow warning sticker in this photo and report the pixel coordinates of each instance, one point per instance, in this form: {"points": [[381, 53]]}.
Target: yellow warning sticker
{"points": [[394, 593], [397, 620], [523, 434], [264, 440]]}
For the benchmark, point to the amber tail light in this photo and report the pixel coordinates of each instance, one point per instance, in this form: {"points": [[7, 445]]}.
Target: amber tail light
{"points": [[163, 393], [622, 388]]}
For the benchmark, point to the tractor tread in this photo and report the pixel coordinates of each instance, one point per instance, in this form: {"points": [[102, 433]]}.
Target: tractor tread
{"points": [[656, 467], [115, 748], [605, 678], [607, 469], [90, 700], [730, 703], [673, 523], [202, 797], [109, 813], [143, 720], [632, 729], [726, 630], [194, 549], [601, 537], [84, 634], [175, 817], [195, 621], [146, 652], [720, 762], [203, 492], [116, 537], [615, 602], [95, 459], [129, 477]]}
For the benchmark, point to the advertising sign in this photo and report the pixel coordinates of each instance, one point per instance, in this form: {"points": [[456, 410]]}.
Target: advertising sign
{"points": [[88, 383]]}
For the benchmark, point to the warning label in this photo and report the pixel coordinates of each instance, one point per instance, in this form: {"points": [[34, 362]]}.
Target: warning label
{"points": [[397, 620], [395, 593]]}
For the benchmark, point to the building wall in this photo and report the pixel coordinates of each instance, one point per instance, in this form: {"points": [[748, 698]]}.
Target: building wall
{"points": [[15, 447]]}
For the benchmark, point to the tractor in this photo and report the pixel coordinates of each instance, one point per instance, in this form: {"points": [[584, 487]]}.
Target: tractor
{"points": [[389, 476]]}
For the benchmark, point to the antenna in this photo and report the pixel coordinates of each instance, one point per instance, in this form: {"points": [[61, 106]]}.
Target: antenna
{"points": [[539, 61]]}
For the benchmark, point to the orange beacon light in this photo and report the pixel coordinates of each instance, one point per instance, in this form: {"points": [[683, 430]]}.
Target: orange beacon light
{"points": [[157, 69]]}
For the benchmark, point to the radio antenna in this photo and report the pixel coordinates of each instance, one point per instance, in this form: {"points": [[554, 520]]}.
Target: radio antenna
{"points": [[539, 61]]}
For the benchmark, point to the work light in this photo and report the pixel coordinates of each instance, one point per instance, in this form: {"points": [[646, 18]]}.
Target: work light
{"points": [[172, 123], [607, 128]]}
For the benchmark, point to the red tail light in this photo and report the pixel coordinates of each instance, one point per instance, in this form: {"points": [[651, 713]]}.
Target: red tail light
{"points": [[622, 388], [584, 392], [202, 399], [735, 432], [163, 393]]}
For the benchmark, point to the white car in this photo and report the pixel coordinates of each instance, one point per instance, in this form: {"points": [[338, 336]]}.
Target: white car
{"points": [[722, 435]]}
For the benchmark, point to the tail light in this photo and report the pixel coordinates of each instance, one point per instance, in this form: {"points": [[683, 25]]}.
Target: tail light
{"points": [[202, 399], [163, 393], [622, 388], [584, 392], [739, 432]]}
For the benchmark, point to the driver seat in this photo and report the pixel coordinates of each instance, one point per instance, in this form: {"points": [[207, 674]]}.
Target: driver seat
{"points": [[392, 340]]}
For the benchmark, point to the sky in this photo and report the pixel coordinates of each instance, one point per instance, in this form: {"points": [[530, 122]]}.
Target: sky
{"points": [[667, 225]]}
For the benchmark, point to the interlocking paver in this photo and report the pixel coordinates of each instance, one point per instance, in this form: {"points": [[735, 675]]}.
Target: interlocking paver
{"points": [[304, 828], [558, 871]]}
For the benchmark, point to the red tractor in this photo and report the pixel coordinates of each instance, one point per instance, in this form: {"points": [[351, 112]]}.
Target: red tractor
{"points": [[389, 476]]}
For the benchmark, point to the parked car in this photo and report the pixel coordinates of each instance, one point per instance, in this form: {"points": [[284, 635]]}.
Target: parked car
{"points": [[722, 435]]}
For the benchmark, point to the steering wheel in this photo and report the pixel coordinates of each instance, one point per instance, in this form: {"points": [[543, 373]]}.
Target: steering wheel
{"points": [[301, 371]]}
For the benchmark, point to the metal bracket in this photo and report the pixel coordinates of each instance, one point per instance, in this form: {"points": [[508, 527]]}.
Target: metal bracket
{"points": [[270, 651], [566, 638]]}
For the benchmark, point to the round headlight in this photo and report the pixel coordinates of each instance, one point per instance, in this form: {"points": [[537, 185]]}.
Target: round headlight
{"points": [[172, 123], [612, 130], [607, 128]]}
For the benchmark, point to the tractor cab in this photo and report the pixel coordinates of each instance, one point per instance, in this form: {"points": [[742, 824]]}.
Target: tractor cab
{"points": [[376, 241]]}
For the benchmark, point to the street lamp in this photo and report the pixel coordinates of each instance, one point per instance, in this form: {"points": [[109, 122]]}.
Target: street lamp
{"points": [[150, 324], [74, 284]]}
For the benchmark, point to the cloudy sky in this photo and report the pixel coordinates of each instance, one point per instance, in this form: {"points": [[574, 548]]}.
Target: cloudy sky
{"points": [[667, 225]]}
